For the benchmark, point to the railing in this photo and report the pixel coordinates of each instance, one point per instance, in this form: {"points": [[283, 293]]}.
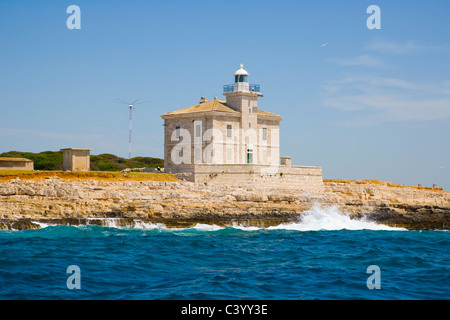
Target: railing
{"points": [[251, 87], [228, 88], [255, 87]]}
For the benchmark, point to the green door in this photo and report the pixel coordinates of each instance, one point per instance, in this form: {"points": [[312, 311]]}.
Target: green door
{"points": [[249, 156]]}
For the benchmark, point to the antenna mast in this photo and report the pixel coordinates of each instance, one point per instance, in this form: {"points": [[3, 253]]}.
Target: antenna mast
{"points": [[130, 131]]}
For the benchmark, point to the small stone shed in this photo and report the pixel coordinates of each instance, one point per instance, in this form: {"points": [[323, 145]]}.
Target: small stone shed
{"points": [[76, 159], [16, 164]]}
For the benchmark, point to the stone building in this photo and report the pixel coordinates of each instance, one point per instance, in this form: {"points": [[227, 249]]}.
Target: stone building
{"points": [[16, 164], [231, 131], [76, 159], [231, 141]]}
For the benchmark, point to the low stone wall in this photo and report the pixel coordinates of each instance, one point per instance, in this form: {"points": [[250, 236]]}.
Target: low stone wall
{"points": [[258, 176]]}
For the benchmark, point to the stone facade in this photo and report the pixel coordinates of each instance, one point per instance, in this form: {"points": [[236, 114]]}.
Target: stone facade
{"points": [[16, 164], [76, 159], [220, 138]]}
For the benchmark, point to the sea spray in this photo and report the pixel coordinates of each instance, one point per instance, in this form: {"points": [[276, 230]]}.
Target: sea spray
{"points": [[331, 218], [321, 217]]}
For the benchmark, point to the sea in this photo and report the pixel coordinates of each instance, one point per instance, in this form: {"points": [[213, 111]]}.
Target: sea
{"points": [[325, 255]]}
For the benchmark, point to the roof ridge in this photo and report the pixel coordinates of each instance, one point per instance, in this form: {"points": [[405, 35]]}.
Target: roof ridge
{"points": [[210, 105]]}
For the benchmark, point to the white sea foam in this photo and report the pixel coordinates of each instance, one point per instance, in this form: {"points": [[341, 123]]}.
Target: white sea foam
{"points": [[245, 228], [137, 224], [207, 227], [330, 218], [41, 224]]}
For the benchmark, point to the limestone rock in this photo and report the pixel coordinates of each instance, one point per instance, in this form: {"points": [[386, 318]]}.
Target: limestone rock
{"points": [[58, 198]]}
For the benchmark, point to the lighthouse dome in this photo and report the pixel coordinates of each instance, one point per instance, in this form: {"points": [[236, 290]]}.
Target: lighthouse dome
{"points": [[241, 71]]}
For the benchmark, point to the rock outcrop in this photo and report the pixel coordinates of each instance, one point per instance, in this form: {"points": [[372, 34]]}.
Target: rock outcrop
{"points": [[391, 204], [25, 204]]}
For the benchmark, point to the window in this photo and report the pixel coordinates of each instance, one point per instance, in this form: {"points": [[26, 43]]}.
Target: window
{"points": [[177, 132], [240, 78], [264, 155], [177, 158], [229, 154], [229, 132], [264, 133], [198, 155], [249, 110], [198, 130]]}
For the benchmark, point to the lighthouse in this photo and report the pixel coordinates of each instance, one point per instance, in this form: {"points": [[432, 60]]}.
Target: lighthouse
{"points": [[233, 131], [243, 97], [232, 142]]}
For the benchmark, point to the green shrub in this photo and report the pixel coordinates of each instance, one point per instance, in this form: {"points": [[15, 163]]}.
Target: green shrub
{"points": [[53, 160], [46, 160]]}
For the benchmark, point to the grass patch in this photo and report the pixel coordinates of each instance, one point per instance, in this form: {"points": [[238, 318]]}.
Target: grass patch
{"points": [[377, 182], [6, 175]]}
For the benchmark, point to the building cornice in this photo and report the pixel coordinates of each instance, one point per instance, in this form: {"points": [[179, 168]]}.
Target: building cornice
{"points": [[200, 115]]}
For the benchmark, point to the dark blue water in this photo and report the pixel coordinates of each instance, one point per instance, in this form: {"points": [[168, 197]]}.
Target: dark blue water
{"points": [[227, 263]]}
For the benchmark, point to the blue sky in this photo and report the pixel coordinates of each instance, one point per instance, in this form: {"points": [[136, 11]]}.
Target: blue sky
{"points": [[371, 104]]}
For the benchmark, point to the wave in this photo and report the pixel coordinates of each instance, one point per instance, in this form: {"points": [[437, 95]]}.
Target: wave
{"points": [[316, 219], [330, 218]]}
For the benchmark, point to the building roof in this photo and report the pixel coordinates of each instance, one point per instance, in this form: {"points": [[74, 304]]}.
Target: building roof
{"points": [[216, 105], [212, 105], [15, 159], [267, 113]]}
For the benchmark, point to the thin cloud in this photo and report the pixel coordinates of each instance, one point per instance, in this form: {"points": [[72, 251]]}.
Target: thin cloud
{"points": [[362, 60], [42, 134], [409, 47], [385, 46], [375, 100]]}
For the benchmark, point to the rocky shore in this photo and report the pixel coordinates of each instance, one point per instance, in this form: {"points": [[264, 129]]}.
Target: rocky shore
{"points": [[26, 204]]}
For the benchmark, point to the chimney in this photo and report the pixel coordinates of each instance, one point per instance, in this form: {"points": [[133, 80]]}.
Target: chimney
{"points": [[286, 161]]}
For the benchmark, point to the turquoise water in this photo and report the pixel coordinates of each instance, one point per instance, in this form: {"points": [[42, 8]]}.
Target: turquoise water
{"points": [[314, 259]]}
